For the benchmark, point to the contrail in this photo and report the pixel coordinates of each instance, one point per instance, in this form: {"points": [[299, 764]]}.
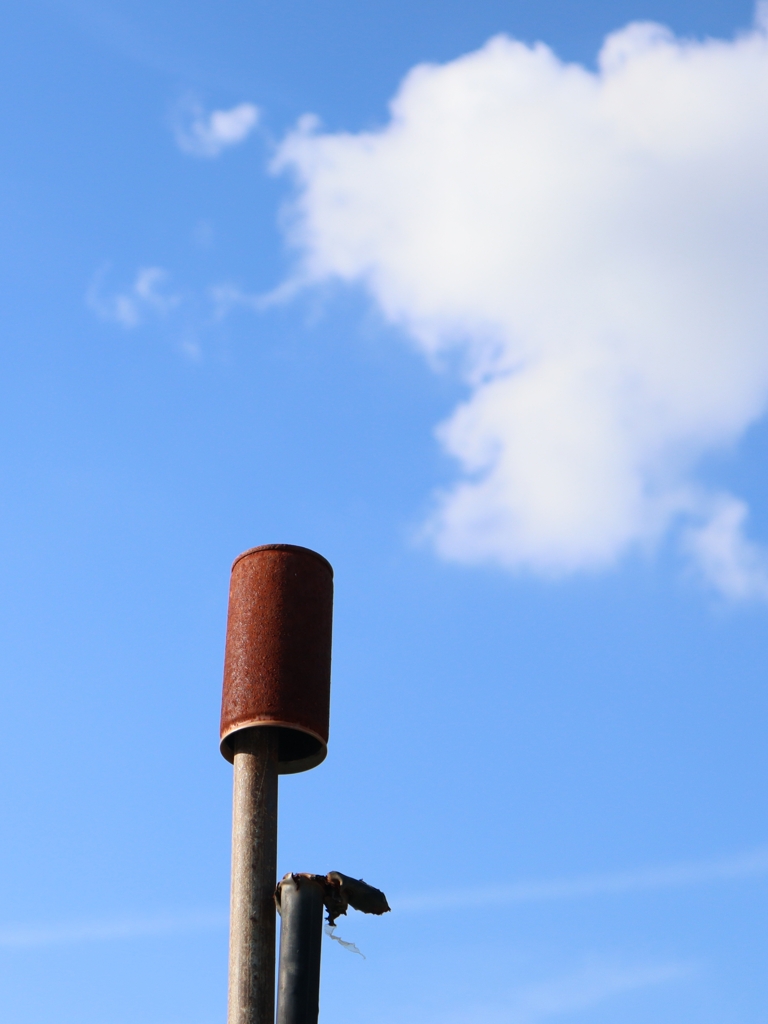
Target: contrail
{"points": [[671, 876]]}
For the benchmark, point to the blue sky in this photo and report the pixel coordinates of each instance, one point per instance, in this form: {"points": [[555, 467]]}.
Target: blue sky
{"points": [[523, 415]]}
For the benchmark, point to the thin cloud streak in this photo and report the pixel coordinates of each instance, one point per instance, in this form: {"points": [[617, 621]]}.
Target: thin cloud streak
{"points": [[588, 987], [66, 933], [673, 876]]}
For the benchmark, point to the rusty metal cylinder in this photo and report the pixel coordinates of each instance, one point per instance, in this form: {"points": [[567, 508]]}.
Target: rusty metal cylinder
{"points": [[277, 665]]}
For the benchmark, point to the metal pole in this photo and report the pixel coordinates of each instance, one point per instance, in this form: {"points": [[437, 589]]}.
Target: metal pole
{"points": [[274, 721], [301, 934], [254, 870]]}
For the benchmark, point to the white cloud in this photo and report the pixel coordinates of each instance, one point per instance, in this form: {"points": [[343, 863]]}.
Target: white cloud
{"points": [[593, 246], [206, 135], [129, 308]]}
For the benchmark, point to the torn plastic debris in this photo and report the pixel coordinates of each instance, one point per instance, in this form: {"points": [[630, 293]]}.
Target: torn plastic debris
{"points": [[339, 893], [330, 930]]}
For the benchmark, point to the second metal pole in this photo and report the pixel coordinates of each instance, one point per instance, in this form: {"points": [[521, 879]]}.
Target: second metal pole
{"points": [[301, 935], [254, 870]]}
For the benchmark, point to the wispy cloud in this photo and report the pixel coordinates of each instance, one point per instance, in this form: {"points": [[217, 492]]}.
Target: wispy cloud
{"points": [[593, 982], [208, 134], [100, 930], [187, 311], [146, 296], [725, 555], [228, 297], [670, 876], [587, 987]]}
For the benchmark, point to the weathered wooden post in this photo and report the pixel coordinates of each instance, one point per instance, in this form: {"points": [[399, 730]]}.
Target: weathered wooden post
{"points": [[274, 720]]}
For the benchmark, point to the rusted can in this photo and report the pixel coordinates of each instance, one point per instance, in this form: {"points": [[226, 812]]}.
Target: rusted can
{"points": [[277, 665]]}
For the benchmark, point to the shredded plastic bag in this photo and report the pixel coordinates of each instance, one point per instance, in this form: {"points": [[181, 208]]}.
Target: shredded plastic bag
{"points": [[330, 930]]}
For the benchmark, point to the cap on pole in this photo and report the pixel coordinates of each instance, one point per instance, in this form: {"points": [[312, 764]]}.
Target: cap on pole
{"points": [[277, 665]]}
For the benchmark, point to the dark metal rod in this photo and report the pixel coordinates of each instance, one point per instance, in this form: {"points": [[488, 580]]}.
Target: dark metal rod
{"points": [[301, 934], [254, 870]]}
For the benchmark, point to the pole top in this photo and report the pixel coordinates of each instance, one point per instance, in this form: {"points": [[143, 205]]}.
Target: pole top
{"points": [[297, 548], [277, 664]]}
